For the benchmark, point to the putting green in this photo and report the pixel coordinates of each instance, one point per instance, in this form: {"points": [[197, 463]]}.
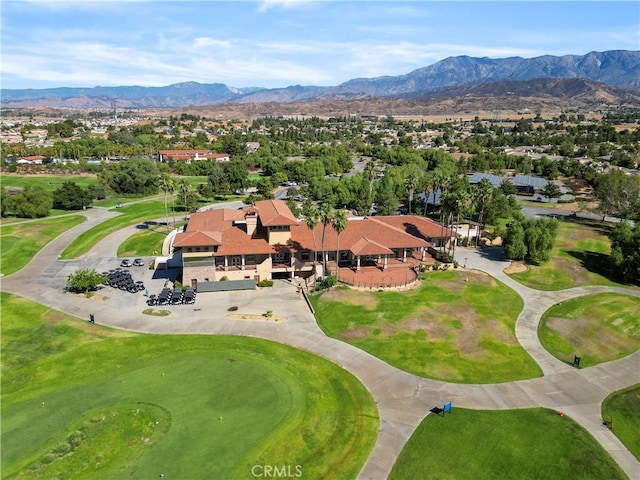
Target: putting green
{"points": [[222, 405]]}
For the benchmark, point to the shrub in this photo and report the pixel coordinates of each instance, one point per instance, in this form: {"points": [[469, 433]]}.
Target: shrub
{"points": [[265, 283], [224, 278], [327, 282]]}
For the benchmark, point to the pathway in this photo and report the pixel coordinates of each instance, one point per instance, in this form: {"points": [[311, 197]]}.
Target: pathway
{"points": [[403, 399]]}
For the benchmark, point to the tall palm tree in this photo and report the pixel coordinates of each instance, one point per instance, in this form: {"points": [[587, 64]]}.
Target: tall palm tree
{"points": [[410, 183], [184, 188], [339, 223], [326, 216], [370, 177], [485, 191], [311, 217], [427, 187], [441, 181], [165, 182]]}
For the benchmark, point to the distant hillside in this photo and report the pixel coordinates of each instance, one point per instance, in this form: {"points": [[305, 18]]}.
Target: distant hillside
{"points": [[619, 68], [587, 92]]}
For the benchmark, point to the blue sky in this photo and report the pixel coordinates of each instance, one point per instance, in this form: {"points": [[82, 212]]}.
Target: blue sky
{"points": [[276, 43]]}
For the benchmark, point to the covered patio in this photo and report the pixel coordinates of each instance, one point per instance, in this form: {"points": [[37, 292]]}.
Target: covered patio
{"points": [[396, 274]]}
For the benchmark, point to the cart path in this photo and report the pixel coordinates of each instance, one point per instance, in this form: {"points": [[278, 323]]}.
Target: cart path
{"points": [[403, 399]]}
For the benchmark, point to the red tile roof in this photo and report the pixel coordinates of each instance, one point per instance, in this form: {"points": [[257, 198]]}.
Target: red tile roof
{"points": [[183, 152], [364, 246], [190, 154], [363, 235], [274, 212]]}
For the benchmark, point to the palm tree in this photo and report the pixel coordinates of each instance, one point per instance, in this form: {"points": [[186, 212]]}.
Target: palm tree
{"points": [[485, 191], [184, 188], [339, 222], [311, 217], [326, 216], [370, 176], [427, 186], [166, 185], [441, 181], [411, 183]]}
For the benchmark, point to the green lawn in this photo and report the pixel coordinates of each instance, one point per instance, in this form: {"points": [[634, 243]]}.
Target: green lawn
{"points": [[598, 328], [448, 329], [90, 402], [508, 444], [48, 181], [129, 215], [624, 408], [580, 257], [21, 242], [143, 244]]}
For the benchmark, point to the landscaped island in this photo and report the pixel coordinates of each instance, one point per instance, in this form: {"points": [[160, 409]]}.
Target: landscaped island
{"points": [[457, 326]]}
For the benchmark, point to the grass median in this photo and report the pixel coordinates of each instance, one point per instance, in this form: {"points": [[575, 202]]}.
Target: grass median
{"points": [[94, 402], [458, 326], [146, 243], [598, 328], [21, 242], [129, 215], [621, 412], [511, 444]]}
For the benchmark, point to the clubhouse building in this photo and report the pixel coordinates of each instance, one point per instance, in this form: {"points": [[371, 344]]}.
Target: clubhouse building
{"points": [[266, 241]]}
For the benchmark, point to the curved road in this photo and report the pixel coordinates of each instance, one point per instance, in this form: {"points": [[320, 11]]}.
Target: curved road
{"points": [[403, 399]]}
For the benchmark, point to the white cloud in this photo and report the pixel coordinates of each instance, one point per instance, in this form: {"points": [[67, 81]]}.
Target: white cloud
{"points": [[266, 5]]}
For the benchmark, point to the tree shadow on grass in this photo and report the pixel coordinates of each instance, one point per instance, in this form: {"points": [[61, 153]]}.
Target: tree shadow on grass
{"points": [[597, 263]]}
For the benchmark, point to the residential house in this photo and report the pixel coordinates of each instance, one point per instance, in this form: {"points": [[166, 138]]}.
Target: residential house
{"points": [[189, 156]]}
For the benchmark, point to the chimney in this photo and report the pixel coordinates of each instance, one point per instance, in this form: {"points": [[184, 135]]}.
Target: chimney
{"points": [[251, 217]]}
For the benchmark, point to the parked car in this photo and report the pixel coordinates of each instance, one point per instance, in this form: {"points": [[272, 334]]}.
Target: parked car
{"points": [[125, 263], [138, 262]]}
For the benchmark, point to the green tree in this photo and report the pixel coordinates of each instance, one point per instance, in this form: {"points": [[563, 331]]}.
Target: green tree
{"points": [[3, 203], [70, 196], [513, 241], [237, 175], [136, 176], [265, 187], [218, 182], [531, 240], [551, 190], [33, 202], [83, 280], [189, 202], [508, 188], [539, 237], [625, 251]]}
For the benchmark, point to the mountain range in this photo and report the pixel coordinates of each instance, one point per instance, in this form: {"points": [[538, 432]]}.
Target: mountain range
{"points": [[616, 72]]}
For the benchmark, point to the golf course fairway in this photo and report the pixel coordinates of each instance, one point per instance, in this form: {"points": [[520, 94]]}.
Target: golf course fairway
{"points": [[83, 401]]}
